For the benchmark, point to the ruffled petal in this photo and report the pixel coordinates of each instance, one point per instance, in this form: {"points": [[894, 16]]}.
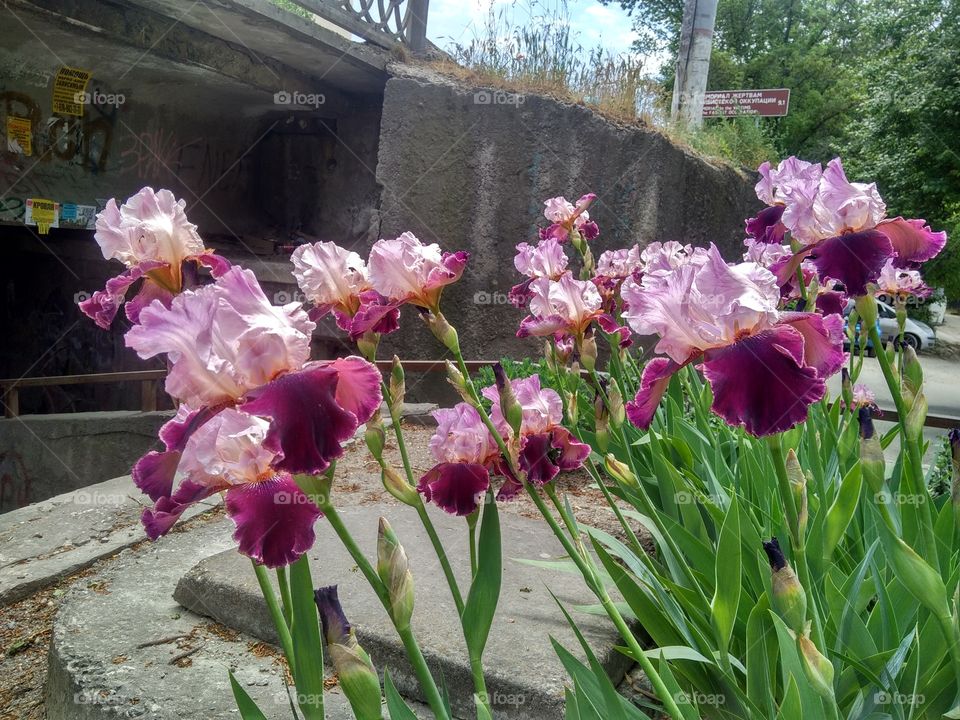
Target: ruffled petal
{"points": [[149, 292], [274, 520], [541, 326], [376, 314], [536, 460], [520, 295], [854, 259], [913, 240], [572, 452], [610, 326], [101, 307], [166, 511], [762, 382], [831, 302], [308, 426], [766, 226], [653, 384], [822, 340], [457, 488], [217, 264], [154, 472], [358, 386]]}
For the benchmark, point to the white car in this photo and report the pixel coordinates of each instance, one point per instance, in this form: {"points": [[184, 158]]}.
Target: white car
{"points": [[916, 334]]}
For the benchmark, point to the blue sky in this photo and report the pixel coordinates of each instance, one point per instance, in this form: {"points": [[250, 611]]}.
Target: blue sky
{"points": [[591, 23]]}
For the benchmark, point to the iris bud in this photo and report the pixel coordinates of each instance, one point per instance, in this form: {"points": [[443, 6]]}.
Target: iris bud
{"points": [[588, 352], [817, 668], [601, 423], [846, 388], [872, 463], [398, 386], [367, 345], [867, 309], [459, 382], [912, 374], [619, 471], [617, 412], [509, 405], [788, 596], [397, 486], [798, 487], [394, 572], [375, 437], [358, 678], [443, 331]]}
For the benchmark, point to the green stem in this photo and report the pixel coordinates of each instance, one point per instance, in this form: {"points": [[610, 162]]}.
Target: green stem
{"points": [[425, 520], [913, 450], [414, 654], [584, 565], [472, 536], [285, 594], [276, 614]]}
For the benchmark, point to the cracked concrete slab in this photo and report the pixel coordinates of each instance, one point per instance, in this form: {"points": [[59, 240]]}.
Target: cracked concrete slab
{"points": [[524, 675]]}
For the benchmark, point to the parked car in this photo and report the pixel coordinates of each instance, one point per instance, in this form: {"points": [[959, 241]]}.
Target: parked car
{"points": [[916, 334]]}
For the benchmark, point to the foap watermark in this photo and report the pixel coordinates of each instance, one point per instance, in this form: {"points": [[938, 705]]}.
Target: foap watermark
{"points": [[81, 296], [498, 97], [100, 697], [285, 297], [284, 497], [700, 699], [885, 497], [501, 698], [483, 297], [896, 698], [99, 99], [86, 497], [297, 98]]}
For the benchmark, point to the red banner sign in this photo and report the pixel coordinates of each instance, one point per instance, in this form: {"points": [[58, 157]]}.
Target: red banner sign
{"points": [[731, 103]]}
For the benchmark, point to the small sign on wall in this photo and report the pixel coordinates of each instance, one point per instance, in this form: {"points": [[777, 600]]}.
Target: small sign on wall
{"points": [[70, 91], [19, 135], [45, 214]]}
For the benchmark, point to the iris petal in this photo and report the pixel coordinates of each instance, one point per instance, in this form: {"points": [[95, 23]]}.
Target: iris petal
{"points": [[854, 259], [455, 487]]}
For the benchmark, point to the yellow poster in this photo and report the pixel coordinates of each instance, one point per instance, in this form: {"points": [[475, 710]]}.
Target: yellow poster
{"points": [[19, 135], [70, 91], [45, 214]]}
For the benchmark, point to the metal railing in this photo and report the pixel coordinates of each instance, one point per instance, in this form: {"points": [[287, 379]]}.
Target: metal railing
{"points": [[386, 23]]}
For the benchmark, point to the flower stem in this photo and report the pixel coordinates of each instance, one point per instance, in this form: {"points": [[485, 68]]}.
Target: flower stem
{"points": [[276, 614], [421, 509], [285, 593], [913, 451], [472, 535], [414, 654]]}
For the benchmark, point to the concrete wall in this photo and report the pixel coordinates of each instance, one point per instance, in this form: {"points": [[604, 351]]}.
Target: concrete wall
{"points": [[472, 175], [46, 455]]}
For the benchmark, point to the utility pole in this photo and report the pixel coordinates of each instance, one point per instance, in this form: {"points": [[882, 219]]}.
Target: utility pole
{"points": [[693, 62]]}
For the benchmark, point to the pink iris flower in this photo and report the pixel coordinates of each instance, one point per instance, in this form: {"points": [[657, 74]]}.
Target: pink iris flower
{"points": [[151, 235], [274, 519], [845, 232], [545, 447], [764, 367], [899, 283], [546, 260], [775, 186], [660, 258], [336, 281], [229, 348], [613, 267], [467, 453], [863, 396], [404, 270], [567, 218]]}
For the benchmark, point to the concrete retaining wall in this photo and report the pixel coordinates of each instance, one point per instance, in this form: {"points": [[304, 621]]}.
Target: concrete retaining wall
{"points": [[461, 169], [46, 455]]}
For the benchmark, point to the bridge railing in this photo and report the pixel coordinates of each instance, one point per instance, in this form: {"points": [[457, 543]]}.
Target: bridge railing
{"points": [[386, 23]]}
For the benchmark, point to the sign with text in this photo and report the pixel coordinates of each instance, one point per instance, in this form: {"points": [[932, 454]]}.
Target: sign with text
{"points": [[733, 103]]}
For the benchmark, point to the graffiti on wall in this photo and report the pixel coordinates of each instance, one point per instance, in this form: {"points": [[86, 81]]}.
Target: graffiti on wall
{"points": [[15, 490]]}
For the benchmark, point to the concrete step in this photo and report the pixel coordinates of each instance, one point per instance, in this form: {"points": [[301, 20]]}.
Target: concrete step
{"points": [[524, 676]]}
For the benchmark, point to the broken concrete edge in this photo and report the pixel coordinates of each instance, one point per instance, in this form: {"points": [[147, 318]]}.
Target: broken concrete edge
{"points": [[427, 72]]}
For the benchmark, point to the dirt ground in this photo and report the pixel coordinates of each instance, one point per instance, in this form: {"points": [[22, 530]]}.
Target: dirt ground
{"points": [[25, 626]]}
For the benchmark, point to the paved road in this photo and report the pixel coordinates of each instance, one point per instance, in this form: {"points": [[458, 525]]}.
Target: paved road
{"points": [[941, 384]]}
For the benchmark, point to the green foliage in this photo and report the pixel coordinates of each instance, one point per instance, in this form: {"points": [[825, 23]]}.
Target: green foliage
{"points": [[292, 7]]}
